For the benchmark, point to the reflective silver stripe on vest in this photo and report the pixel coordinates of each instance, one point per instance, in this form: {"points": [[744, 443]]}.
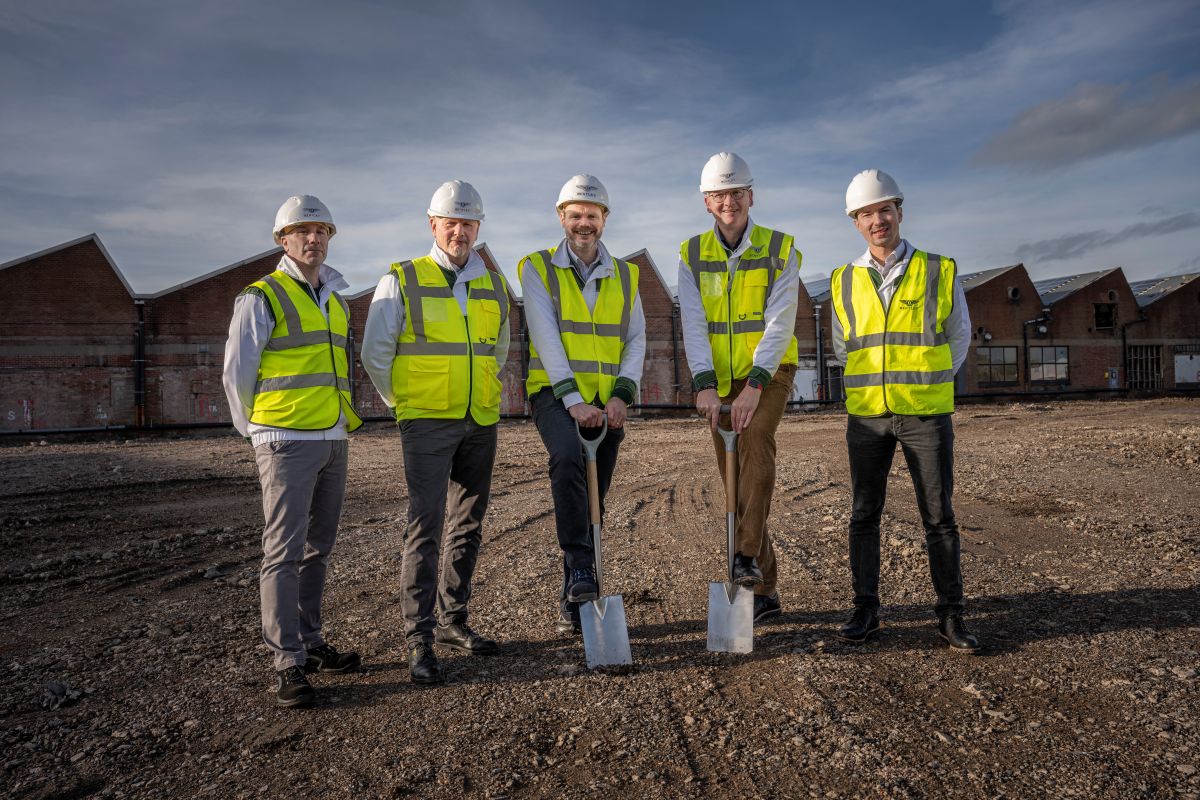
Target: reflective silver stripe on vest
{"points": [[424, 348], [626, 299], [552, 286], [899, 377], [297, 336], [698, 265], [602, 368], [896, 338], [933, 283], [599, 328], [291, 314], [483, 348], [848, 302], [304, 339], [313, 381], [741, 326]]}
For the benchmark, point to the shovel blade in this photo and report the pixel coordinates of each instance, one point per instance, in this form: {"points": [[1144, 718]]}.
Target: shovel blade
{"points": [[605, 634], [730, 621]]}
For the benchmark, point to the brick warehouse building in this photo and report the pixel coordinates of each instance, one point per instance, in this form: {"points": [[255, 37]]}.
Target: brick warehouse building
{"points": [[79, 349], [1163, 344], [67, 340]]}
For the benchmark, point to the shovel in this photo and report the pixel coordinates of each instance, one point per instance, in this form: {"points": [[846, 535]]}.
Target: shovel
{"points": [[730, 607], [605, 636]]}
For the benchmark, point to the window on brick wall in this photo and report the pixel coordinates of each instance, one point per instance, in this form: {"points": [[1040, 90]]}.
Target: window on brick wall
{"points": [[1049, 365], [996, 366], [1106, 316]]}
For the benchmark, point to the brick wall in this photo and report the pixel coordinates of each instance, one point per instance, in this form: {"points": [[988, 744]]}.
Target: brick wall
{"points": [[66, 341]]}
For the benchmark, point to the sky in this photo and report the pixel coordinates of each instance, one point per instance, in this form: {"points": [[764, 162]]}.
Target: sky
{"points": [[1063, 135]]}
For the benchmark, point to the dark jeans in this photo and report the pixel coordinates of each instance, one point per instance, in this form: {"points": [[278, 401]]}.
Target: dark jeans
{"points": [[928, 444], [568, 481], [448, 469]]}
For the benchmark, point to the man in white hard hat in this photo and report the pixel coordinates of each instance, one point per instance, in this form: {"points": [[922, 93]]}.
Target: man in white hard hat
{"points": [[738, 290], [902, 330], [287, 379], [435, 342], [587, 342]]}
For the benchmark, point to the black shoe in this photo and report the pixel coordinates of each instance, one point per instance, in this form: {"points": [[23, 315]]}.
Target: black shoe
{"points": [[423, 666], [582, 586], [766, 606], [458, 636], [863, 625], [746, 571], [568, 625], [954, 631], [328, 660], [293, 689]]}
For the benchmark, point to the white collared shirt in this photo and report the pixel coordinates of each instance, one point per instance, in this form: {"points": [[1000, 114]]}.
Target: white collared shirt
{"points": [[779, 314], [386, 322], [957, 324], [542, 319], [249, 331]]}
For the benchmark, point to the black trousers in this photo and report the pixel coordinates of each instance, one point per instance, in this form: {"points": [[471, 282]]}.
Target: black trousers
{"points": [[568, 481], [928, 445], [448, 469]]}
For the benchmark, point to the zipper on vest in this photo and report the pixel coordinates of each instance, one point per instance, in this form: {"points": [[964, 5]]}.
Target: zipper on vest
{"points": [[470, 352]]}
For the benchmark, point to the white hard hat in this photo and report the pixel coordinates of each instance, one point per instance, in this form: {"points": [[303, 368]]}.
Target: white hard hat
{"points": [[456, 200], [299, 209], [725, 171], [583, 189], [869, 187]]}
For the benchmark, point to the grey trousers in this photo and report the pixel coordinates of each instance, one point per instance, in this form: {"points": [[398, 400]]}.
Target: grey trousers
{"points": [[303, 483], [437, 452]]}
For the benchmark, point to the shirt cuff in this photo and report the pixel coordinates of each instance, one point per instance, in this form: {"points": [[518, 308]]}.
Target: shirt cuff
{"points": [[759, 374], [564, 388], [706, 379], [625, 389]]}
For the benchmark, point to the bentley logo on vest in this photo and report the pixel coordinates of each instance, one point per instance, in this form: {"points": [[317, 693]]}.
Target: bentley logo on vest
{"points": [[909, 304]]}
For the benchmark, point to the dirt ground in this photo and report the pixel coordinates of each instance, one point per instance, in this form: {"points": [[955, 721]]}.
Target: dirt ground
{"points": [[131, 664]]}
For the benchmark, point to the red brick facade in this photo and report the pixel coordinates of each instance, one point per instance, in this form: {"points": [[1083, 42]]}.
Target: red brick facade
{"points": [[69, 343]]}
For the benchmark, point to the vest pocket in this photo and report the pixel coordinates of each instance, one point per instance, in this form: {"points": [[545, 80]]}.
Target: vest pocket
{"points": [[429, 382], [489, 389]]}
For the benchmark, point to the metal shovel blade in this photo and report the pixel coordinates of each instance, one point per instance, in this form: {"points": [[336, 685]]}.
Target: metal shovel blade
{"points": [[730, 618], [605, 635]]}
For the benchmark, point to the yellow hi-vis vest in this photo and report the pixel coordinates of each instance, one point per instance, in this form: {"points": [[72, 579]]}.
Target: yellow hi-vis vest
{"points": [[897, 359], [742, 301], [593, 340], [303, 374], [445, 362]]}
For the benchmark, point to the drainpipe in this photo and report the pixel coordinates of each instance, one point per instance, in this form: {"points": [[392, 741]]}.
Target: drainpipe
{"points": [[821, 393], [1041, 323], [675, 350], [1125, 344], [139, 366]]}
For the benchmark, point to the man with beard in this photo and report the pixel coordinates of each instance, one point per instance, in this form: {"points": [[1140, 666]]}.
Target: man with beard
{"points": [[587, 342]]}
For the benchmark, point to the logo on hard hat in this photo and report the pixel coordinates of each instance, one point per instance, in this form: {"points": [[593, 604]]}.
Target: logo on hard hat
{"points": [[312, 212], [583, 188], [462, 204], [727, 176]]}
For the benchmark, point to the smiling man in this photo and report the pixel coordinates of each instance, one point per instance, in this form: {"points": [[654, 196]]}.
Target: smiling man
{"points": [[738, 289], [435, 342], [587, 342], [902, 330], [287, 380]]}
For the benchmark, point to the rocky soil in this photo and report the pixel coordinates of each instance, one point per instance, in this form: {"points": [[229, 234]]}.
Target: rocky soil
{"points": [[131, 664]]}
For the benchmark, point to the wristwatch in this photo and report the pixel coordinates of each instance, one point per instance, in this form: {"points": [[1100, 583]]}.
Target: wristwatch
{"points": [[754, 383]]}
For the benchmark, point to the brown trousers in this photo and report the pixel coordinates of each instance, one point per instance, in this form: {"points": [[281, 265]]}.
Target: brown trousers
{"points": [[756, 472]]}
